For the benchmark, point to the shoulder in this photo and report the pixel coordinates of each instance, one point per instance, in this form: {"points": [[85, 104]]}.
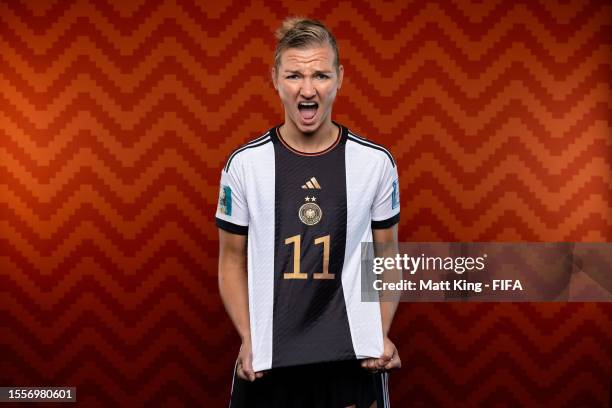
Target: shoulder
{"points": [[368, 147], [242, 153]]}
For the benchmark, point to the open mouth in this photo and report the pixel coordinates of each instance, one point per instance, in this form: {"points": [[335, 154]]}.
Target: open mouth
{"points": [[308, 110]]}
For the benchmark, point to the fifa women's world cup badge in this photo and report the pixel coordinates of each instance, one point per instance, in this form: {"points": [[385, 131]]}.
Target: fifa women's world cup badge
{"points": [[310, 213], [225, 200]]}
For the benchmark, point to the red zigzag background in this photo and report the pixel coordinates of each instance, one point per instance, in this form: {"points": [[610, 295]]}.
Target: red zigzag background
{"points": [[116, 118]]}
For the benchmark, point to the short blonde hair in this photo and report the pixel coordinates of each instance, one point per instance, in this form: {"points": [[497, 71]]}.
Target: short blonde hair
{"points": [[298, 32]]}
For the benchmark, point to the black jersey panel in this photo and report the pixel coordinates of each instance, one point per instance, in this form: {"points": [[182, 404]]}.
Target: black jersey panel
{"points": [[310, 321]]}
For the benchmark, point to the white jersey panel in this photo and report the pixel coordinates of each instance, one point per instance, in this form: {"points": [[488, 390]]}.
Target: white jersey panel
{"points": [[364, 166], [258, 173]]}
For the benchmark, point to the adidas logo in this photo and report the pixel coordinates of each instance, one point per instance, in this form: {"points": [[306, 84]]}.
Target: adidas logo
{"points": [[312, 184]]}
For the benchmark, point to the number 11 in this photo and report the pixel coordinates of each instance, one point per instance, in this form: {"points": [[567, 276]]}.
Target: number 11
{"points": [[296, 240]]}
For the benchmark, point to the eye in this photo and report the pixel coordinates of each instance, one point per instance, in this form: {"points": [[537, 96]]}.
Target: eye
{"points": [[322, 76], [292, 76]]}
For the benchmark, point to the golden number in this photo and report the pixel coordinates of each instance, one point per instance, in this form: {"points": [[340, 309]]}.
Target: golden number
{"points": [[296, 240], [325, 274]]}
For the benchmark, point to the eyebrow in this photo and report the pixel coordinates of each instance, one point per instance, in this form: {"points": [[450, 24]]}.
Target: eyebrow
{"points": [[316, 72]]}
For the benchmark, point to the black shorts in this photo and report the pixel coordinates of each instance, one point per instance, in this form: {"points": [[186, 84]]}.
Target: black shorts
{"points": [[325, 385]]}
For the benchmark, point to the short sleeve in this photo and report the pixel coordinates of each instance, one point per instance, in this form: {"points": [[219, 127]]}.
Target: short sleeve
{"points": [[232, 210], [386, 206]]}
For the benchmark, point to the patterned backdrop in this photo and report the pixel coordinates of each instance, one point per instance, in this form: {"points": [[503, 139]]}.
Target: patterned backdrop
{"points": [[116, 118]]}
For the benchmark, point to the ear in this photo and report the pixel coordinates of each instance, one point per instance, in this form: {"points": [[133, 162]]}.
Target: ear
{"points": [[340, 76], [274, 81]]}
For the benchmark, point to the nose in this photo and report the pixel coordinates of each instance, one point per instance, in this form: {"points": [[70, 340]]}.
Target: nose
{"points": [[308, 90]]}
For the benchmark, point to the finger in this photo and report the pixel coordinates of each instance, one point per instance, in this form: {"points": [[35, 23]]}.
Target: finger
{"points": [[372, 365], [388, 354], [259, 374], [250, 374], [384, 359], [247, 367], [394, 363], [369, 364], [248, 371], [240, 372]]}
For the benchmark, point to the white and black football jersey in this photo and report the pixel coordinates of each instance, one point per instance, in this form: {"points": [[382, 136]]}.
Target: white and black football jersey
{"points": [[306, 215]]}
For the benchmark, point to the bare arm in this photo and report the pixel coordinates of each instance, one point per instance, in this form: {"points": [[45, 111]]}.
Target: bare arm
{"points": [[388, 237], [233, 290], [389, 300], [233, 280]]}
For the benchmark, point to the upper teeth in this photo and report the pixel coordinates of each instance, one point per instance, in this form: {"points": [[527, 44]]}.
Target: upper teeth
{"points": [[308, 103]]}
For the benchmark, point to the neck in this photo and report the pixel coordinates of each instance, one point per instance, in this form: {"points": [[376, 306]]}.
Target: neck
{"points": [[319, 140]]}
